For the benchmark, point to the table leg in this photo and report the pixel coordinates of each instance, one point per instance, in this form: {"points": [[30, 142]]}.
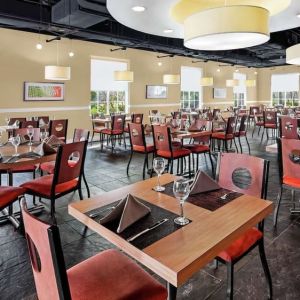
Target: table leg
{"points": [[172, 291]]}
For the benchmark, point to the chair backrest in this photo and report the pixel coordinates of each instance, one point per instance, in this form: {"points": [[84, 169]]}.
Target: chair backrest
{"points": [[12, 121], [270, 117], [253, 110], [25, 124], [243, 126], [216, 111], [59, 128], [118, 122], [176, 114], [46, 256], [81, 135], [23, 132], [161, 137], [199, 125], [289, 158], [243, 173], [65, 170], [43, 120], [231, 124], [137, 118], [136, 135], [153, 112], [288, 127]]}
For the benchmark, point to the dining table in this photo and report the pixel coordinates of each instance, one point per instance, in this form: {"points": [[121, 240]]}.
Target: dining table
{"points": [[25, 158], [105, 122], [181, 252]]}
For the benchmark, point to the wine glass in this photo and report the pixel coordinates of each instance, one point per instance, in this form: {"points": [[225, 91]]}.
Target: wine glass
{"points": [[187, 125], [7, 120], [15, 140], [43, 135], [159, 167], [30, 132], [181, 190]]}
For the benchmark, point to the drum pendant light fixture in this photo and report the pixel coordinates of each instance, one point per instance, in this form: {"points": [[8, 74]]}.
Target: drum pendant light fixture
{"points": [[227, 28], [57, 72], [123, 76], [171, 78], [250, 83], [232, 82], [293, 55]]}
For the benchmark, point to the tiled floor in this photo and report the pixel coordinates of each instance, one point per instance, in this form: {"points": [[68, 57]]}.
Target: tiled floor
{"points": [[105, 172]]}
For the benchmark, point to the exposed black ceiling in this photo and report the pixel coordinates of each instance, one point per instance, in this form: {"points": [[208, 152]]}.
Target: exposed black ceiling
{"points": [[90, 20]]}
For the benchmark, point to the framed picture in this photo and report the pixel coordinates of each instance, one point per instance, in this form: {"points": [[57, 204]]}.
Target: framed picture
{"points": [[43, 91], [219, 93], [156, 91]]}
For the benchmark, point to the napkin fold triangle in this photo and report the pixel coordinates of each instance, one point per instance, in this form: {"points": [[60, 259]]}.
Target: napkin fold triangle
{"points": [[128, 211], [203, 183], [44, 149]]}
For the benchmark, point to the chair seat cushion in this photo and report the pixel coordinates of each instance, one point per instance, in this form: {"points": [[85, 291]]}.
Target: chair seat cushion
{"points": [[197, 148], [295, 182], [42, 186], [177, 153], [9, 194], [222, 136], [111, 275], [241, 245], [259, 123], [111, 132], [48, 167], [97, 129], [273, 126], [149, 148]]}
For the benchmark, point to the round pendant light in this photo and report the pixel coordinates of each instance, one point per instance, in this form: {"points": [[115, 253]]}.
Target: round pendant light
{"points": [[293, 55], [232, 82], [171, 79], [207, 81], [57, 73], [123, 76], [230, 27]]}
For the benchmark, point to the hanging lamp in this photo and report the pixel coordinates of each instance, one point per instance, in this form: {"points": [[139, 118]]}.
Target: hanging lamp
{"points": [[232, 82], [293, 55], [171, 78]]}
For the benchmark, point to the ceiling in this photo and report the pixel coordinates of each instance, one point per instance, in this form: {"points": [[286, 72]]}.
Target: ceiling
{"points": [[90, 20]]}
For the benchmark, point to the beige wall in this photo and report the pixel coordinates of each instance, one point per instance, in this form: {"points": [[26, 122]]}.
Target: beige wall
{"points": [[20, 61]]}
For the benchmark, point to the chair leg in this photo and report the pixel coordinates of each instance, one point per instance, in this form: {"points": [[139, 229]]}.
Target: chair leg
{"points": [[130, 158], [212, 165], [264, 263], [92, 138], [80, 193], [248, 144], [52, 210], [237, 150], [178, 166], [190, 175], [267, 133], [253, 130], [144, 165], [124, 139], [172, 291], [226, 145], [262, 135], [181, 165], [239, 139], [197, 166], [86, 185], [230, 272], [279, 196], [171, 167]]}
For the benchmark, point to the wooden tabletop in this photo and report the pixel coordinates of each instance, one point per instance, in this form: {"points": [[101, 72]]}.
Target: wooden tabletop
{"points": [[9, 150], [181, 254], [187, 134]]}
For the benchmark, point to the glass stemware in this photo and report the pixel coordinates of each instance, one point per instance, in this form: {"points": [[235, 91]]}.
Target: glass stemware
{"points": [[30, 132], [159, 167], [43, 135], [15, 140], [181, 190], [7, 120]]}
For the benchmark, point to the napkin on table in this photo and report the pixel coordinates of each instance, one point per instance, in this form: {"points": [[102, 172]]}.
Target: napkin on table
{"points": [[128, 211], [44, 149], [203, 183]]}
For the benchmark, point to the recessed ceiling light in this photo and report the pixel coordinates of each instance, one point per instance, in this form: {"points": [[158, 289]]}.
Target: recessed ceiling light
{"points": [[39, 46], [138, 8], [218, 70], [159, 63], [168, 30], [298, 15], [255, 73], [71, 54], [237, 70]]}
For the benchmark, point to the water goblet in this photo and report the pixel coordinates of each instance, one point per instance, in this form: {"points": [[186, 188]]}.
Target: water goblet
{"points": [[181, 190], [43, 135], [159, 167], [30, 132], [15, 140], [7, 120]]}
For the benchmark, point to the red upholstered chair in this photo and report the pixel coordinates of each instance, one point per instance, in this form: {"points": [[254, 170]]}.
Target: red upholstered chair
{"points": [[43, 119], [164, 148], [270, 122], [97, 127], [12, 121], [26, 124], [138, 144], [8, 195], [107, 275], [242, 132], [78, 136], [254, 110], [66, 178], [59, 128], [289, 170], [116, 130], [135, 118], [248, 175], [215, 113], [288, 127], [228, 135], [176, 115]]}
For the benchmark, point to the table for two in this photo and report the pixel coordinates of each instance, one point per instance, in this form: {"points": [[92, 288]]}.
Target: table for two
{"points": [[179, 255]]}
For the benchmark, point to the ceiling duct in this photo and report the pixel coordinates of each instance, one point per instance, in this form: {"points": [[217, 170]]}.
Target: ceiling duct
{"points": [[79, 13]]}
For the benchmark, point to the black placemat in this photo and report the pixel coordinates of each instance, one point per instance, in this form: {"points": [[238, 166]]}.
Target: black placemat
{"points": [[157, 214], [208, 200]]}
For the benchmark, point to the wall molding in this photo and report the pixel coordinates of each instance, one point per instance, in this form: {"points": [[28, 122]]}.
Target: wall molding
{"points": [[38, 109], [154, 105]]}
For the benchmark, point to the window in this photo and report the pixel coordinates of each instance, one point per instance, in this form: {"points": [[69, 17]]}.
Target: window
{"points": [[191, 91], [285, 89], [107, 95], [240, 92]]}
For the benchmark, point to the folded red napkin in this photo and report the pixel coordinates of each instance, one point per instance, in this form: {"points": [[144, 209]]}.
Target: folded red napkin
{"points": [[128, 211], [44, 149], [203, 183], [53, 141]]}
